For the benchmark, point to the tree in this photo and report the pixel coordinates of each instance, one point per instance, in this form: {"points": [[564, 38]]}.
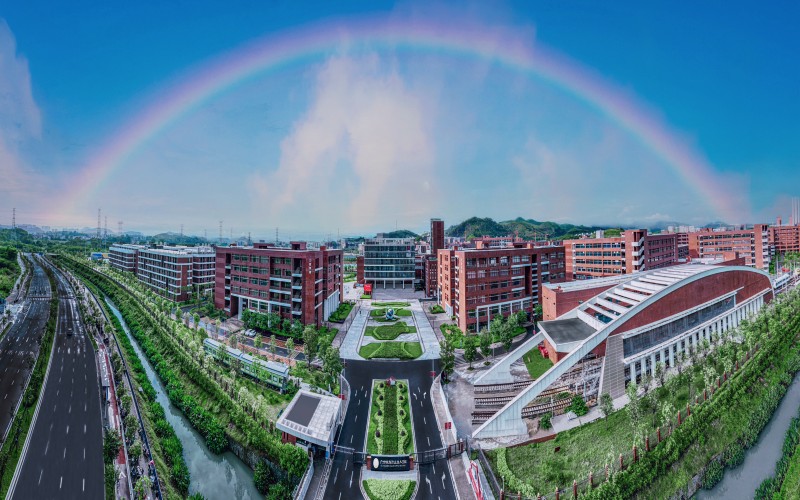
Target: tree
{"points": [[196, 318], [470, 349], [233, 340], [485, 340], [143, 486], [311, 341], [447, 355], [273, 344], [634, 410], [537, 312], [331, 363], [296, 329], [257, 341], [578, 406], [661, 372], [111, 445], [606, 404], [290, 345]]}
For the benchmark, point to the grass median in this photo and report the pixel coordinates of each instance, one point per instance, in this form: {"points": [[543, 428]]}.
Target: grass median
{"points": [[391, 350]]}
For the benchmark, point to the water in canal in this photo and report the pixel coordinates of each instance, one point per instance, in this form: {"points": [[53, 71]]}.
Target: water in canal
{"points": [[213, 476], [760, 460]]}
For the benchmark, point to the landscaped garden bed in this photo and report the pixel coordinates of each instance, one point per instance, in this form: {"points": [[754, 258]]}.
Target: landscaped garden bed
{"points": [[389, 489], [536, 363], [389, 332], [391, 304], [341, 312], [390, 419], [380, 313], [391, 350], [436, 309]]}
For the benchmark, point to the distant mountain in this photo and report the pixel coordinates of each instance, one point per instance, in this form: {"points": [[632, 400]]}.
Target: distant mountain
{"points": [[527, 229], [475, 226], [401, 233]]}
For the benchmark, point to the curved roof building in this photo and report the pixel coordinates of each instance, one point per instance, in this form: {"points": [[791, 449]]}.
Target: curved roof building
{"points": [[622, 327]]}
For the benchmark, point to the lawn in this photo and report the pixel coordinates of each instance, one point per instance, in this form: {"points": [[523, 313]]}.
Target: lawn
{"points": [[400, 350], [389, 332], [389, 489], [391, 304], [536, 363], [390, 420]]}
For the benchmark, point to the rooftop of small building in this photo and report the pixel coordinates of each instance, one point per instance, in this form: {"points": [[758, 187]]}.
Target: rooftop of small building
{"points": [[565, 331], [310, 415]]}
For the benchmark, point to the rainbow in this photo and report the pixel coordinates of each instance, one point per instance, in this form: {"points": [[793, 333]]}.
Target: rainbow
{"points": [[279, 51]]}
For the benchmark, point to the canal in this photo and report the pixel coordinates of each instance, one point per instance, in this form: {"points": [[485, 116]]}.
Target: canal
{"points": [[213, 476], [760, 460]]}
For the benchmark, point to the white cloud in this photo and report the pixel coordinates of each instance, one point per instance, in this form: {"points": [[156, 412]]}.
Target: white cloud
{"points": [[364, 144], [20, 122]]}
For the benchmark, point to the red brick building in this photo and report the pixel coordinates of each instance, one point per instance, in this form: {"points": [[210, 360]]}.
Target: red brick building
{"points": [[475, 285], [784, 239], [297, 282], [750, 243], [635, 250]]}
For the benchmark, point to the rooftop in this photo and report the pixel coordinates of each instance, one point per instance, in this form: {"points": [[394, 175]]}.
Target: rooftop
{"points": [[565, 331], [310, 416]]}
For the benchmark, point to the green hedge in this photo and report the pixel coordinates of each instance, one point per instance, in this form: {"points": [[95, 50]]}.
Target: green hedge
{"points": [[389, 489], [770, 487], [391, 304], [389, 332], [400, 350], [341, 312]]}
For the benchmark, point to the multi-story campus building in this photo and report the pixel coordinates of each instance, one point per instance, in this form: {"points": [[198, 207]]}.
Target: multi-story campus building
{"points": [[124, 257], [298, 282], [750, 243], [784, 239], [604, 333], [475, 285], [388, 262], [633, 251], [176, 272], [430, 269]]}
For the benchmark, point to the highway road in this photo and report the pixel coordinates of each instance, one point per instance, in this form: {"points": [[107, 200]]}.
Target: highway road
{"points": [[64, 456], [435, 481], [19, 348]]}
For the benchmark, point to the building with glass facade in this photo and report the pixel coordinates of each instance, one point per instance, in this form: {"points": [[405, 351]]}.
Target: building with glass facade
{"points": [[389, 262]]}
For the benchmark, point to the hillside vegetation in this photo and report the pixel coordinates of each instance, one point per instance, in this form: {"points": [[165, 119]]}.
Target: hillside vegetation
{"points": [[527, 229], [9, 270]]}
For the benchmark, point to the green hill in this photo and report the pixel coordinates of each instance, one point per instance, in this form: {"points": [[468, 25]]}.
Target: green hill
{"points": [[527, 229], [401, 233]]}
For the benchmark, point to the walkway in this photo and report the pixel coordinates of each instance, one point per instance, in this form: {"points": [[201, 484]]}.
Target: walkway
{"points": [[430, 344], [349, 349]]}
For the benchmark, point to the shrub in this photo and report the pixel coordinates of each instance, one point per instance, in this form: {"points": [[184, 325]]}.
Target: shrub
{"points": [[712, 475], [578, 406], [545, 421], [436, 309]]}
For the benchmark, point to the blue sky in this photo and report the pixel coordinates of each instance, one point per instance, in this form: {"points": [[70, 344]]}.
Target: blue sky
{"points": [[372, 137]]}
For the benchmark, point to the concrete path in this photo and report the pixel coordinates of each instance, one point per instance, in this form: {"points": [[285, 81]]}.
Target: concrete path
{"points": [[430, 344], [349, 348]]}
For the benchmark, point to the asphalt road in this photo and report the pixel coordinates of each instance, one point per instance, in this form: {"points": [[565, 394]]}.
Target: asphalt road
{"points": [[435, 481], [19, 348], [64, 458]]}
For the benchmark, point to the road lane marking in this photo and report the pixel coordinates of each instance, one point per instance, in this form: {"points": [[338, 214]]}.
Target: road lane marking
{"points": [[65, 452], [60, 482], [41, 471]]}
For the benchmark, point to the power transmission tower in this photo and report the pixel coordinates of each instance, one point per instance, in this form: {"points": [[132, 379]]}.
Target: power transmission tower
{"points": [[276, 236], [98, 224], [119, 227], [105, 228], [249, 241], [220, 232], [181, 231]]}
